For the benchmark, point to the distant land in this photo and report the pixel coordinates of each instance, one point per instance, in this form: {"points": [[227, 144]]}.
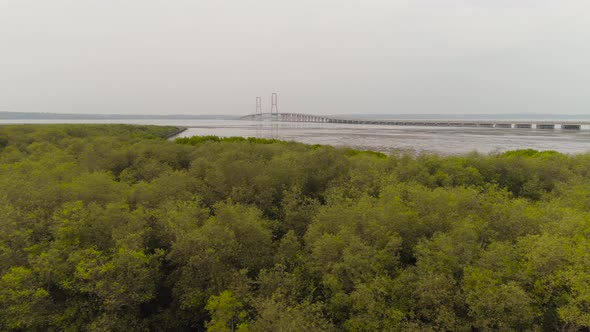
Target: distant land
{"points": [[79, 116], [433, 116]]}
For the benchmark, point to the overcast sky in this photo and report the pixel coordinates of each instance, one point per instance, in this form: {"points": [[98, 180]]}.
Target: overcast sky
{"points": [[320, 56]]}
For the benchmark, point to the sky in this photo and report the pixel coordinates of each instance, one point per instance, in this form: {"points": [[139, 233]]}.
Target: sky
{"points": [[320, 56]]}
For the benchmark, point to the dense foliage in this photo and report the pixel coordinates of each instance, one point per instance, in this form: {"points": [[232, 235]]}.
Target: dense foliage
{"points": [[114, 228]]}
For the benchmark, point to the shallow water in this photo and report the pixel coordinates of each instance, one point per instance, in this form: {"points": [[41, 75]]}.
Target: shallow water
{"points": [[381, 138], [443, 140]]}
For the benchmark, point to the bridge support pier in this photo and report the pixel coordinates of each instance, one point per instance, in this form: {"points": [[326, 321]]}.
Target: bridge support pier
{"points": [[571, 127], [298, 117]]}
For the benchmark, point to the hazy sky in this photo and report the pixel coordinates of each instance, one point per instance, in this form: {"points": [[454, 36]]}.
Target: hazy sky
{"points": [[320, 56]]}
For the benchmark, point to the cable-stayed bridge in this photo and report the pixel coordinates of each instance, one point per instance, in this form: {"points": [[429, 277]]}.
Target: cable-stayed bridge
{"points": [[522, 124], [275, 115]]}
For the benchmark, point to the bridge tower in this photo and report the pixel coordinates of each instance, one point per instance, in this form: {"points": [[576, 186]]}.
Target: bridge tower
{"points": [[274, 109], [258, 114]]}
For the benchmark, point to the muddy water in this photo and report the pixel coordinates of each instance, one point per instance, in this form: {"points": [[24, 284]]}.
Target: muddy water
{"points": [[441, 140]]}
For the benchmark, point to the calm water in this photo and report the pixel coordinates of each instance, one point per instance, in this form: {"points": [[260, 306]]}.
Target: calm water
{"points": [[382, 138], [416, 139]]}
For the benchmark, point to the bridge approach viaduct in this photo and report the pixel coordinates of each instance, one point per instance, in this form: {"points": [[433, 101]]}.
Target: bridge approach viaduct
{"points": [[521, 124]]}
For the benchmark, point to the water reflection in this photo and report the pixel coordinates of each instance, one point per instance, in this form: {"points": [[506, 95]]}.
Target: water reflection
{"points": [[267, 130], [444, 140]]}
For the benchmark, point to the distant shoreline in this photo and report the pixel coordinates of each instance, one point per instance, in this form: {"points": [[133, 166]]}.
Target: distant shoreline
{"points": [[80, 116], [438, 116], [431, 116]]}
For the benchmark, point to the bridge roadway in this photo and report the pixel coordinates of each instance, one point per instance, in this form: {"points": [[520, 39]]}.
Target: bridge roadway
{"points": [[300, 117]]}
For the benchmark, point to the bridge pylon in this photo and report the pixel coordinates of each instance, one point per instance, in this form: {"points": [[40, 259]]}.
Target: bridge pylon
{"points": [[258, 114], [274, 108]]}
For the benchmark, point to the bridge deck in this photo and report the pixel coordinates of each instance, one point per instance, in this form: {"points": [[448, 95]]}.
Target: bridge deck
{"points": [[523, 124]]}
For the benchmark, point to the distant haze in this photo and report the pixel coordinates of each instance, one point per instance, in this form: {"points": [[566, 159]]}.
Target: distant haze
{"points": [[320, 56]]}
